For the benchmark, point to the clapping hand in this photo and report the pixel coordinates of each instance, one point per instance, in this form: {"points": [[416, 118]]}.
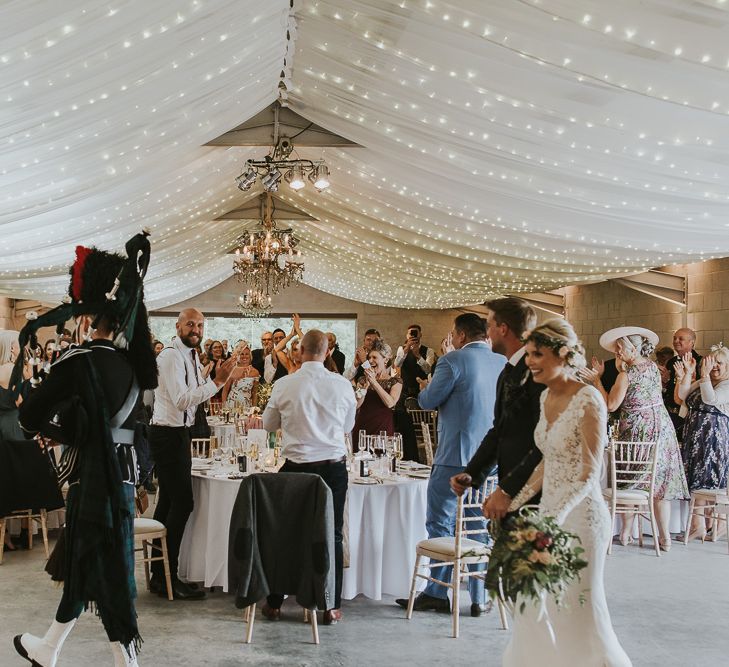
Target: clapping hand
{"points": [[589, 376], [359, 356], [297, 324], [447, 344], [223, 370], [707, 365], [423, 383], [371, 376], [680, 370], [599, 366], [689, 363]]}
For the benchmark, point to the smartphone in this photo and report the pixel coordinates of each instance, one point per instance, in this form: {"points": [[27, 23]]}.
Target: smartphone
{"points": [[366, 364], [413, 333]]}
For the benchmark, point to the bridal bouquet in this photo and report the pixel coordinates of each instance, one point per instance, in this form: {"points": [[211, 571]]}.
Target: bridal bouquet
{"points": [[532, 556]]}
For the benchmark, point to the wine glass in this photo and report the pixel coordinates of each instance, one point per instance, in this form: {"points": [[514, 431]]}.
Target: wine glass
{"points": [[397, 451], [206, 407], [362, 440]]}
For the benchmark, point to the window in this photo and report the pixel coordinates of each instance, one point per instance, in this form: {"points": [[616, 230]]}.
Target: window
{"points": [[233, 329]]}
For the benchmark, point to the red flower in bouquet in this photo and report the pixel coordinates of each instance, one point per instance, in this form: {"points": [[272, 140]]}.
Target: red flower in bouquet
{"points": [[543, 541]]}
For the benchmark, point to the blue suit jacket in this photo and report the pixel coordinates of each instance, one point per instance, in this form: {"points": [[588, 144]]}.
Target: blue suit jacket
{"points": [[463, 389]]}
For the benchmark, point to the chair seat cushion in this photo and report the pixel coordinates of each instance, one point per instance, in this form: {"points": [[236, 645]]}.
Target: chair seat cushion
{"points": [[143, 525], [446, 546], [627, 495]]}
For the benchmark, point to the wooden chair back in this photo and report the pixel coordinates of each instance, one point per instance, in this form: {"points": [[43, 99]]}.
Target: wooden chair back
{"points": [[200, 448], [427, 443], [633, 465], [468, 526]]}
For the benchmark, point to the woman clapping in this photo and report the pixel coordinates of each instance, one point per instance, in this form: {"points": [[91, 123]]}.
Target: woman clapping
{"points": [[706, 429], [379, 396]]}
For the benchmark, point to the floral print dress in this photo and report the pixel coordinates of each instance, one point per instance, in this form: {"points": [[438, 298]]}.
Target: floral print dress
{"points": [[643, 416], [705, 444]]}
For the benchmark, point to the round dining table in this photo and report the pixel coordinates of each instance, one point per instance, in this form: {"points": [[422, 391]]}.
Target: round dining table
{"points": [[384, 522]]}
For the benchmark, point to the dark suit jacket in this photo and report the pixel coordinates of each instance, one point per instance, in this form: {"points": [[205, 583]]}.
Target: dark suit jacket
{"points": [[257, 362], [297, 557], [510, 441], [338, 358]]}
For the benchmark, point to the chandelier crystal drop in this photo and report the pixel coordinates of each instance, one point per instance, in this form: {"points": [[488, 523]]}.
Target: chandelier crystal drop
{"points": [[267, 260], [254, 304]]}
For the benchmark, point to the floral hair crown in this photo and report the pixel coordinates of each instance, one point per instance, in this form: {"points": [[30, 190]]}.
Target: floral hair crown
{"points": [[717, 347], [572, 354]]}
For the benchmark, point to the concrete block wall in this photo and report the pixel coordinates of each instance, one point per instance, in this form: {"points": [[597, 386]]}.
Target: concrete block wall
{"points": [[594, 309], [7, 313]]}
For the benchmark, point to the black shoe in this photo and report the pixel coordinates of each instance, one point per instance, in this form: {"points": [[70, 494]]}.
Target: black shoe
{"points": [[157, 586], [478, 609], [181, 591], [425, 602]]}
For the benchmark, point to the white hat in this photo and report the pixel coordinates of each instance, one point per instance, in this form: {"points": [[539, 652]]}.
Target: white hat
{"points": [[610, 338]]}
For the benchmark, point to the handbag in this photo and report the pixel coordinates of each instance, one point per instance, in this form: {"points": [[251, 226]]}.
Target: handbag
{"points": [[142, 500]]}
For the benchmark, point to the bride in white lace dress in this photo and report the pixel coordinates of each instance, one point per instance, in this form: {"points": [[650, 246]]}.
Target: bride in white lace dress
{"points": [[572, 435]]}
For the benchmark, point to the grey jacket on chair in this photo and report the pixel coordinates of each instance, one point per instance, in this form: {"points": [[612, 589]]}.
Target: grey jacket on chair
{"points": [[281, 540]]}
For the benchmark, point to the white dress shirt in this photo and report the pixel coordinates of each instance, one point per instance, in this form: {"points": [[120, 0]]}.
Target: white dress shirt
{"points": [[516, 357], [174, 397], [425, 363], [314, 408], [269, 370]]}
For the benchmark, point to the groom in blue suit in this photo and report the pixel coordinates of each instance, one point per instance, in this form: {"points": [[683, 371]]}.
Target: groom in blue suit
{"points": [[463, 390]]}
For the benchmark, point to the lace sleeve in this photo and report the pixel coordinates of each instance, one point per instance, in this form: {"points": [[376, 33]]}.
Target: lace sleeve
{"points": [[592, 434], [530, 489]]}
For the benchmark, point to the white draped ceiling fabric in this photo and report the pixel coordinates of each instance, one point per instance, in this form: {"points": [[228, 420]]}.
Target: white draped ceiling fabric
{"points": [[505, 146]]}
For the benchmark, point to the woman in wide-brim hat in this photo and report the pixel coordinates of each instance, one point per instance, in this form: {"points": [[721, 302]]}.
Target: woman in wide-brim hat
{"points": [[637, 398]]}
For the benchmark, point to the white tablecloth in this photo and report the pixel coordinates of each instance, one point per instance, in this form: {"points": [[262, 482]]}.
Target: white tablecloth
{"points": [[386, 521]]}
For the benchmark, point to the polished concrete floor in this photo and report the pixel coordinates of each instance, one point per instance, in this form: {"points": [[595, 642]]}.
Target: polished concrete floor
{"points": [[672, 610]]}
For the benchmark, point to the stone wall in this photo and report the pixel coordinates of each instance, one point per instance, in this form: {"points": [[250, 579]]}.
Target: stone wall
{"points": [[7, 313], [597, 308]]}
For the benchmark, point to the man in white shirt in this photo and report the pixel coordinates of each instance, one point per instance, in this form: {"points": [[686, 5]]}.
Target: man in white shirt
{"points": [[182, 387], [314, 408]]}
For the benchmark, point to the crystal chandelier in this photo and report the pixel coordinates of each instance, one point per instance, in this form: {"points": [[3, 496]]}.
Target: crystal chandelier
{"points": [[278, 165], [267, 259], [254, 304]]}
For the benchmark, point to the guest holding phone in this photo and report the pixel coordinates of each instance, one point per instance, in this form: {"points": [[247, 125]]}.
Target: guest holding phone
{"points": [[377, 394], [415, 362]]}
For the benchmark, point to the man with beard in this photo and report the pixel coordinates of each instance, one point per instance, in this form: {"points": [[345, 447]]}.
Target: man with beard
{"points": [[182, 387]]}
